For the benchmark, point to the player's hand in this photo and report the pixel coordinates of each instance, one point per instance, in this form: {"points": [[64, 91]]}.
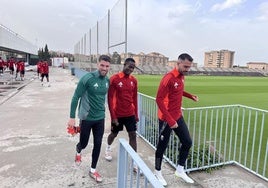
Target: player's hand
{"points": [[174, 126], [115, 122], [71, 123], [195, 98]]}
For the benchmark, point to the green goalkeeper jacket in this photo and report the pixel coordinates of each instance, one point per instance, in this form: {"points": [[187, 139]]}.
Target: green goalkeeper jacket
{"points": [[91, 94]]}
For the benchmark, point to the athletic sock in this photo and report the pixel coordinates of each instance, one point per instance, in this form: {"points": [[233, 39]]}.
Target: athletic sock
{"points": [[92, 170], [180, 168]]}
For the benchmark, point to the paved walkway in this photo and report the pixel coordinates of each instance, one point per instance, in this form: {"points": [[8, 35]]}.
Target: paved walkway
{"points": [[36, 151]]}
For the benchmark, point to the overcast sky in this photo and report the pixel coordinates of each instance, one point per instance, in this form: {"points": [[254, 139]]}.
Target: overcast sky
{"points": [[169, 27]]}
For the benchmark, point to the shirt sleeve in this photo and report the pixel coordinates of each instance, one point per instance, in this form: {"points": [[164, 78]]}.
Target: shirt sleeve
{"points": [[112, 97], [188, 95], [79, 91], [135, 100]]}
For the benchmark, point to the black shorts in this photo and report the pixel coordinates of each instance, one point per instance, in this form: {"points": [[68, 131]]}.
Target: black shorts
{"points": [[129, 122], [44, 75]]}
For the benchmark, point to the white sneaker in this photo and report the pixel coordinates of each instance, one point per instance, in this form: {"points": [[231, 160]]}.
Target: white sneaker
{"points": [[183, 176], [108, 155], [160, 178]]}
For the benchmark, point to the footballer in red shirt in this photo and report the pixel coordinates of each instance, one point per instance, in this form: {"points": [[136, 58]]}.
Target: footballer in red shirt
{"points": [[169, 102], [123, 105], [44, 70]]}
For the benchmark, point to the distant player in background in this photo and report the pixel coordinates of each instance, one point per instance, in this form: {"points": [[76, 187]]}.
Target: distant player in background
{"points": [[11, 64], [38, 66], [16, 65], [2, 63], [44, 70], [21, 67]]}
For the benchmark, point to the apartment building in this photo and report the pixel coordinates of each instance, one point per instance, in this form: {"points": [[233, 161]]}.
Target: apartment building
{"points": [[222, 58], [153, 58], [258, 66]]}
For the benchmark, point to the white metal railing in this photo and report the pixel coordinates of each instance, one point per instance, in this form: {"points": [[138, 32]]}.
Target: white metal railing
{"points": [[127, 157], [221, 135]]}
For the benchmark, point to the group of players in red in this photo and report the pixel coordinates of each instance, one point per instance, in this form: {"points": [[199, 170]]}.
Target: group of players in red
{"points": [[13, 65], [18, 66]]}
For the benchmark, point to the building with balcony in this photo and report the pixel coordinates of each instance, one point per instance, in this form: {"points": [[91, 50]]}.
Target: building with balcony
{"points": [[220, 59], [152, 59]]}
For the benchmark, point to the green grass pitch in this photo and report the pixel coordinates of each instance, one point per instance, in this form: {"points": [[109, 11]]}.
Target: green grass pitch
{"points": [[215, 90], [222, 90]]}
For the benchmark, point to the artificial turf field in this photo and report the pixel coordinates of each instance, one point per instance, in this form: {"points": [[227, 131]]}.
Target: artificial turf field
{"points": [[215, 90]]}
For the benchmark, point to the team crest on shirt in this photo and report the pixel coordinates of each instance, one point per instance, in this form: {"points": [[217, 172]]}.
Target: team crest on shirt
{"points": [[106, 85], [131, 83], [120, 84], [176, 85], [96, 85]]}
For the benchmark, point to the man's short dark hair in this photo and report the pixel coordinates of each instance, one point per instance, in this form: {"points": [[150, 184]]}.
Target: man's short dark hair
{"points": [[129, 60], [185, 56], [105, 58]]}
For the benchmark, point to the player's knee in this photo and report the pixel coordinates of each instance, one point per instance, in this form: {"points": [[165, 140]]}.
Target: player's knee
{"points": [[188, 144]]}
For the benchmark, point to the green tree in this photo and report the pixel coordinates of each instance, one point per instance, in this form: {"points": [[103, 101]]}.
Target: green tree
{"points": [[46, 53], [41, 53]]}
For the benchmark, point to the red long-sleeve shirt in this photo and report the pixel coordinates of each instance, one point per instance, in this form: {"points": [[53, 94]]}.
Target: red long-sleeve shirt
{"points": [[44, 68], [21, 66], [122, 96], [169, 97], [2, 63]]}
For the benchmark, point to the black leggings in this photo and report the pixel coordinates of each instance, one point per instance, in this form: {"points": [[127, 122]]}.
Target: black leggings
{"points": [[98, 130], [164, 133]]}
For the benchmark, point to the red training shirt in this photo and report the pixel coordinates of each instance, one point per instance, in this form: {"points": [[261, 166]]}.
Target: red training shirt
{"points": [[44, 68], [169, 97], [21, 66], [122, 96]]}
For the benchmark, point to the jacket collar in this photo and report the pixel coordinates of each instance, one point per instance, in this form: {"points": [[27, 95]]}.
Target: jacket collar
{"points": [[175, 72], [122, 75]]}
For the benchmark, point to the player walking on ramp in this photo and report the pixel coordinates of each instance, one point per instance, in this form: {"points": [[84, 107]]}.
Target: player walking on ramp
{"points": [[169, 101]]}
